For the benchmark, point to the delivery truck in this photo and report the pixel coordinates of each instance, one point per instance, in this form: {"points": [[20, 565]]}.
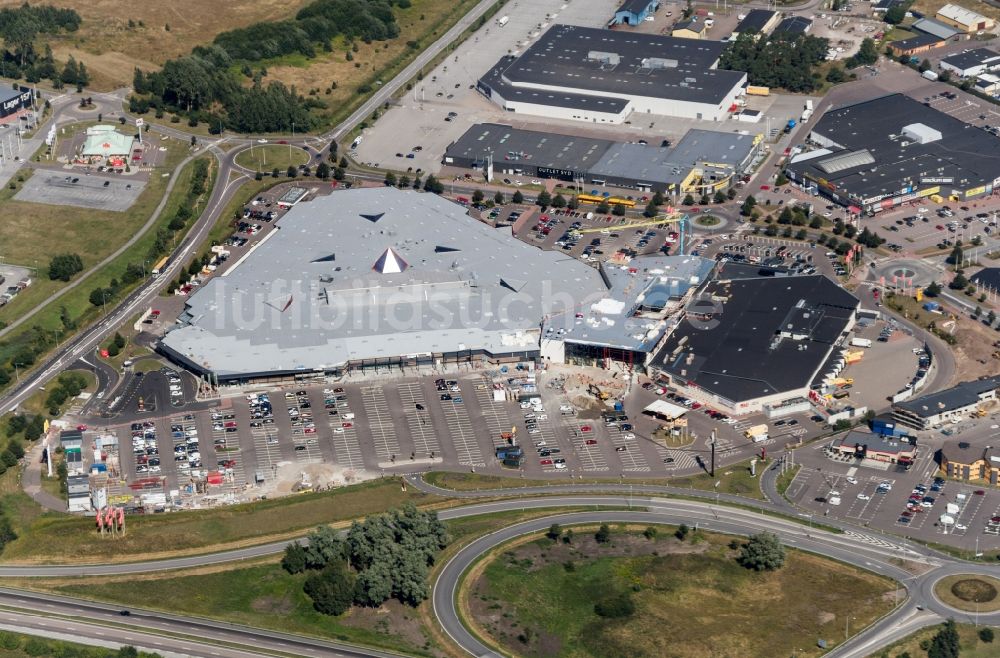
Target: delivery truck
{"points": [[861, 342], [757, 433]]}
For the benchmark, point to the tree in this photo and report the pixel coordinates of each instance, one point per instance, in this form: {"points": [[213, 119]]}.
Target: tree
{"points": [[324, 548], [119, 340], [615, 607], [986, 634], [373, 586], [558, 201], [959, 282], [925, 65], [802, 234], [933, 289], [554, 532], [618, 210], [763, 552], [292, 172], [945, 644], [682, 532], [944, 76], [477, 197], [748, 205], [518, 197], [866, 56], [895, 15], [603, 208], [650, 532], [322, 171], [98, 296], [956, 256], [688, 200], [816, 222], [603, 534], [294, 560], [404, 182], [332, 589], [63, 266], [720, 197], [658, 198], [498, 198], [433, 185], [543, 199], [771, 230], [991, 317], [836, 75], [651, 210], [390, 179]]}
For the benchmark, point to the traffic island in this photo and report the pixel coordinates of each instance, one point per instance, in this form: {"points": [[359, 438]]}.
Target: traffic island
{"points": [[968, 592]]}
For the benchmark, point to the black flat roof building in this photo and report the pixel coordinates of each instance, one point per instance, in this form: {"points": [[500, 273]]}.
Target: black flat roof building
{"points": [[794, 25], [747, 342], [756, 20], [882, 152], [932, 409], [625, 71]]}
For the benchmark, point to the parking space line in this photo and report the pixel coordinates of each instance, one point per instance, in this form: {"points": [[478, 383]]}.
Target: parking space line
{"points": [[419, 423], [631, 456], [463, 437], [300, 415], [590, 455], [346, 447], [380, 423]]}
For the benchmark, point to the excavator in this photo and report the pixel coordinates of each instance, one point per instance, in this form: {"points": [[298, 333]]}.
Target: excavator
{"points": [[598, 393]]}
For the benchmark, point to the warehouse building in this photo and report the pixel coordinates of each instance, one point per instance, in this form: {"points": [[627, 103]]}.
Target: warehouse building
{"points": [[959, 401], [964, 19], [794, 25], [15, 102], [759, 21], [748, 344], [970, 63], [633, 12], [915, 45], [877, 154], [605, 76], [689, 28], [935, 28], [702, 162]]}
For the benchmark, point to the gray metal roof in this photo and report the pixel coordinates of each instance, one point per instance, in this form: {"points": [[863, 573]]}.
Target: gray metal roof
{"points": [[957, 397], [649, 282], [603, 157], [637, 7], [564, 56], [307, 297], [794, 24], [936, 28], [755, 20]]}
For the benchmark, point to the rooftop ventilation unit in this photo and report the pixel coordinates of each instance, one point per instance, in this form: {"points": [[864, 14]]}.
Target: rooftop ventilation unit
{"points": [[921, 133], [605, 59], [658, 63]]}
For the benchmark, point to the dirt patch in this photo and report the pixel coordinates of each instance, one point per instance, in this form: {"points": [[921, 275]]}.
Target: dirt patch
{"points": [[273, 605], [975, 350], [825, 617], [974, 590], [391, 618]]}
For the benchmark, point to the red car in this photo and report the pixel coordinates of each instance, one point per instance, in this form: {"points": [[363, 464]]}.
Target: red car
{"points": [[590, 442], [586, 428], [696, 405], [81, 428], [545, 462], [978, 492], [765, 187], [347, 426]]}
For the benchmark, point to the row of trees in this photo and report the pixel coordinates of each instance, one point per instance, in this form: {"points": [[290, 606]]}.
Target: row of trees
{"points": [[20, 27], [780, 60], [386, 556], [205, 86]]}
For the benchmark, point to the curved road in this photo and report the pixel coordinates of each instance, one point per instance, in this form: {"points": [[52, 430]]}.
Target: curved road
{"points": [[876, 554]]}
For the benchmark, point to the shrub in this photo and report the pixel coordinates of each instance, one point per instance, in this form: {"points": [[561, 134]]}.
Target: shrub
{"points": [[615, 607]]}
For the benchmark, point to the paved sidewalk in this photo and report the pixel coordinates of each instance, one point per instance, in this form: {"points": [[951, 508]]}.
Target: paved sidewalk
{"points": [[31, 481]]}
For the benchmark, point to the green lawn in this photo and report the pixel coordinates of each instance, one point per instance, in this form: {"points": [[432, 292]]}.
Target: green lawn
{"points": [[19, 645], [57, 537], [971, 645], [692, 599], [265, 596], [267, 157], [785, 479]]}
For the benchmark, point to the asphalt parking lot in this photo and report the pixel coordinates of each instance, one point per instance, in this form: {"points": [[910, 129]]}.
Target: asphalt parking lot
{"points": [[81, 190], [863, 501]]}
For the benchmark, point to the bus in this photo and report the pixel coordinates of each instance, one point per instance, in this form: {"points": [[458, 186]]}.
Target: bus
{"points": [[160, 265], [610, 200]]}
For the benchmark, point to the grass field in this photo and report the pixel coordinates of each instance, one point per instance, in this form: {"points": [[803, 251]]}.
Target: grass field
{"points": [[57, 537], [111, 49], [735, 479], [264, 595], [970, 593], [692, 599], [34, 232], [266, 157], [18, 645], [970, 646]]}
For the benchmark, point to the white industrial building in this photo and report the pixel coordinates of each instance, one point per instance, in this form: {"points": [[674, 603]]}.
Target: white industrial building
{"points": [[969, 63], [605, 76]]}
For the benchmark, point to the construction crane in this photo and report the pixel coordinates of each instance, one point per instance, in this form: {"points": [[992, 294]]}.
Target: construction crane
{"points": [[673, 218]]}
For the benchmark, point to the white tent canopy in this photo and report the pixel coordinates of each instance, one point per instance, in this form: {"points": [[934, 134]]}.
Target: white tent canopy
{"points": [[665, 409]]}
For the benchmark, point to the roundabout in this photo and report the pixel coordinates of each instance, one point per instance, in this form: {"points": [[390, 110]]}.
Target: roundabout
{"points": [[969, 592], [266, 157]]}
